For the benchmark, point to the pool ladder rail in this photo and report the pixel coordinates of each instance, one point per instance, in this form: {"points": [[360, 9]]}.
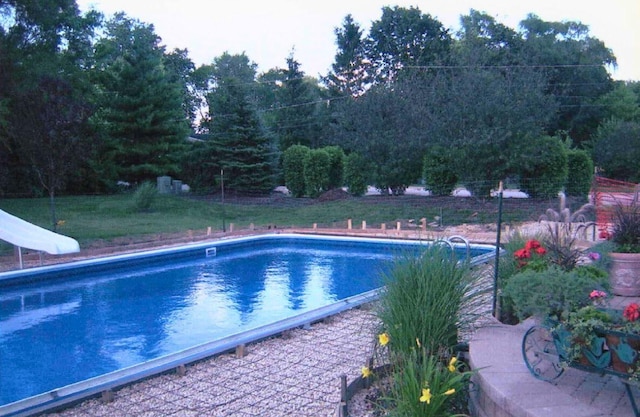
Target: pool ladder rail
{"points": [[450, 242]]}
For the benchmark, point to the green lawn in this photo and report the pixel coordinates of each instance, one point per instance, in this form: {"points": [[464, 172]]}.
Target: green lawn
{"points": [[88, 218]]}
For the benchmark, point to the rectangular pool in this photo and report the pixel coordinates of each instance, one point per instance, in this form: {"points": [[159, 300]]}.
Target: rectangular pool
{"points": [[132, 315]]}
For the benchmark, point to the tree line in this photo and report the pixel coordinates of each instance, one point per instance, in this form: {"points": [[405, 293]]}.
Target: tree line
{"points": [[87, 101]]}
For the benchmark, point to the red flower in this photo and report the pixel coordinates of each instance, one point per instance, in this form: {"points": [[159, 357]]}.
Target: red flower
{"points": [[541, 251], [604, 234], [632, 312], [532, 244], [523, 253]]}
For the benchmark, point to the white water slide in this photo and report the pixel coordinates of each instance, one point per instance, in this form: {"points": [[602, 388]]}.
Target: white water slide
{"points": [[27, 235]]}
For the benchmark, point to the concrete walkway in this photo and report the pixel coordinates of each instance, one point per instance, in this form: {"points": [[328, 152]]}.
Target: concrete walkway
{"points": [[506, 388]]}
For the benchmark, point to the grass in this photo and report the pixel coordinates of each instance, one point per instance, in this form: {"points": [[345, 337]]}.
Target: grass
{"points": [[88, 218]]}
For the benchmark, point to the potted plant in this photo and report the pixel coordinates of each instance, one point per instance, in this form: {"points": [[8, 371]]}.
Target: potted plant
{"points": [[624, 272], [602, 338]]}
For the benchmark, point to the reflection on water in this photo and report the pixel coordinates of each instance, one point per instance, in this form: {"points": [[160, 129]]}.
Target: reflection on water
{"points": [[54, 334]]}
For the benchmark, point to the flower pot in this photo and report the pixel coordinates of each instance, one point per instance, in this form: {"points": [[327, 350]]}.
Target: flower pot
{"points": [[624, 352], [624, 274]]}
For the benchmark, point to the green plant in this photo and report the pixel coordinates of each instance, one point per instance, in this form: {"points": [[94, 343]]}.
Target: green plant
{"points": [[354, 174], [293, 165], [144, 196], [423, 298], [580, 167], [626, 226], [438, 171], [581, 334], [509, 266], [532, 256], [542, 166], [336, 166], [317, 164], [552, 292], [587, 326], [424, 385]]}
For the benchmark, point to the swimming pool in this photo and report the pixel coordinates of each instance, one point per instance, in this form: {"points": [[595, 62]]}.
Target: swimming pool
{"points": [[78, 328]]}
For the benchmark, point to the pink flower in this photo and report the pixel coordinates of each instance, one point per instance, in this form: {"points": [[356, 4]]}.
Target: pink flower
{"points": [[595, 294], [594, 256]]}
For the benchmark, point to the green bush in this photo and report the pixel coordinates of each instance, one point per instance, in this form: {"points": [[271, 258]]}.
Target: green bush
{"points": [[553, 292], [144, 196], [580, 167], [293, 166], [316, 172], [423, 298], [616, 149], [542, 166], [336, 166], [438, 171], [355, 170]]}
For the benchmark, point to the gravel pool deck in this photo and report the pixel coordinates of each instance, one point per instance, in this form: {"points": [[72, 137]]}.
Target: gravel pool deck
{"points": [[296, 374]]}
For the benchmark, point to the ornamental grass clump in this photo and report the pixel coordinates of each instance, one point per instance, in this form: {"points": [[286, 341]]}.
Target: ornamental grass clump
{"points": [[421, 310], [423, 298], [144, 197], [626, 227]]}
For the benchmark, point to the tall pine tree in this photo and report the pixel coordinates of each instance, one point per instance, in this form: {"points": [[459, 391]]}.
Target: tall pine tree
{"points": [[141, 103], [239, 144]]}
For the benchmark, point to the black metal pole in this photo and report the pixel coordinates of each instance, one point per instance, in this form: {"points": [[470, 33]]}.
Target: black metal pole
{"points": [[497, 264], [224, 227]]}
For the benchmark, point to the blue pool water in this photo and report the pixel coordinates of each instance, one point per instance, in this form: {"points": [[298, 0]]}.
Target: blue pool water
{"points": [[65, 325]]}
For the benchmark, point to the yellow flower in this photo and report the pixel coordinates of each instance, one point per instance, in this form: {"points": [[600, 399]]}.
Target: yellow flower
{"points": [[452, 364], [418, 342], [383, 339], [450, 391], [366, 372], [426, 396]]}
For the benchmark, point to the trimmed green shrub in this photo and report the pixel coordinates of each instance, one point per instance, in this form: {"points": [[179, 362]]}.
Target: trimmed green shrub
{"points": [[355, 174], [542, 166], [438, 171], [293, 161], [336, 166], [580, 167], [316, 172]]}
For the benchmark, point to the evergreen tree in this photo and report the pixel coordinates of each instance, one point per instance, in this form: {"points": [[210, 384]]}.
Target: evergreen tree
{"points": [[299, 100], [348, 75], [141, 103], [239, 143]]}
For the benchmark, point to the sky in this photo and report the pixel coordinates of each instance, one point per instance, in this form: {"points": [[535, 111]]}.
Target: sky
{"points": [[268, 31]]}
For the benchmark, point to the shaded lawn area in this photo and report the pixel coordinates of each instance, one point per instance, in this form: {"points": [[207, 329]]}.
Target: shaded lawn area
{"points": [[88, 218]]}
